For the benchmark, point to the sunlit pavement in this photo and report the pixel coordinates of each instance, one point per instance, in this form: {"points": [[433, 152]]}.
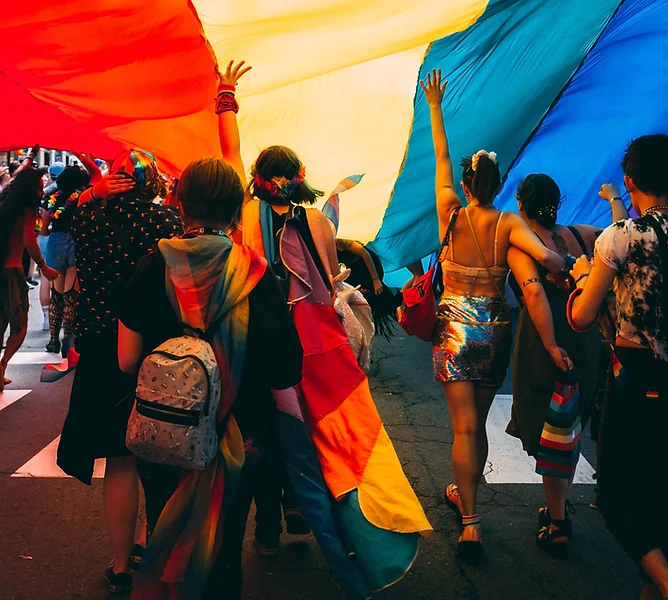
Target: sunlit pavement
{"points": [[54, 545]]}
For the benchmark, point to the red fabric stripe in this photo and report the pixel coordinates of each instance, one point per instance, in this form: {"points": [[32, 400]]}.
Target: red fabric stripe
{"points": [[546, 464]]}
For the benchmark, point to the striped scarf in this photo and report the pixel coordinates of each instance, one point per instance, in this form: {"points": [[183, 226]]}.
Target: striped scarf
{"points": [[208, 279]]}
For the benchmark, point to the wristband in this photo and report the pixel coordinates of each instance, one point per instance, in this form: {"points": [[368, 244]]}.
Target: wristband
{"points": [[226, 88], [579, 279], [226, 103], [615, 198], [569, 311], [92, 195]]}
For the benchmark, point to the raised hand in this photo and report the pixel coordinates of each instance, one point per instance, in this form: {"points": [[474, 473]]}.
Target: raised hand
{"points": [[609, 191], [232, 74], [434, 88], [34, 150], [112, 185]]}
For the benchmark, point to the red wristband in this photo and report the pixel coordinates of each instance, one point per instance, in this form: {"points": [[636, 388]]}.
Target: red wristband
{"points": [[226, 103], [226, 88], [569, 310]]}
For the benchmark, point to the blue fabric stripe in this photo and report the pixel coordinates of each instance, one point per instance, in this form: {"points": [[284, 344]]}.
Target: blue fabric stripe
{"points": [[619, 94], [505, 72]]}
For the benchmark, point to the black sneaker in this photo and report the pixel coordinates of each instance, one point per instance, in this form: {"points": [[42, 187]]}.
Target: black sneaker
{"points": [[118, 583], [267, 545], [135, 557], [53, 347], [295, 523]]}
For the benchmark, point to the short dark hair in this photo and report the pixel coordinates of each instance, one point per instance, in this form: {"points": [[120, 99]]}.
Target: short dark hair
{"points": [[71, 179], [540, 197], [13, 167], [646, 163], [210, 191], [282, 162], [485, 181]]}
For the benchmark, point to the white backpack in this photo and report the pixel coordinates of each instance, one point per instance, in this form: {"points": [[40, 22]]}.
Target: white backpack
{"points": [[173, 421]]}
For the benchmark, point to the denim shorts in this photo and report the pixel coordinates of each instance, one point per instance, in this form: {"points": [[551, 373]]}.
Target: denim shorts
{"points": [[58, 250]]}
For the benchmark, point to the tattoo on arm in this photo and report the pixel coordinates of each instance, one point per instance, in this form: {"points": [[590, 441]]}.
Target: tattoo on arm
{"points": [[530, 281], [562, 247]]}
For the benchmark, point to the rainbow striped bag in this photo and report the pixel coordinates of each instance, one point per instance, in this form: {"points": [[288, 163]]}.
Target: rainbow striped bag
{"points": [[559, 448]]}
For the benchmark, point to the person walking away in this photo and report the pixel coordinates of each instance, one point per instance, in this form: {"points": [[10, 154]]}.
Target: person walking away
{"points": [[115, 224], [205, 280], [472, 337], [535, 373], [632, 257], [19, 201]]}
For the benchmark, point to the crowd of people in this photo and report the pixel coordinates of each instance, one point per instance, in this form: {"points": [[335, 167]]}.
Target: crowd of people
{"points": [[251, 271]]}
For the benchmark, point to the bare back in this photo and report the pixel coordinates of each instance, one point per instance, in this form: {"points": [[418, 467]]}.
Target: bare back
{"points": [[464, 272]]}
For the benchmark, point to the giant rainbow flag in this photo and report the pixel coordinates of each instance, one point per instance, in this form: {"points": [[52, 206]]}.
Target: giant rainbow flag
{"points": [[558, 86]]}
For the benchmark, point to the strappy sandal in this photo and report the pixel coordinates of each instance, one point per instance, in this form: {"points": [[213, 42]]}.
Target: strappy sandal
{"points": [[453, 500], [546, 538], [544, 517], [470, 549]]}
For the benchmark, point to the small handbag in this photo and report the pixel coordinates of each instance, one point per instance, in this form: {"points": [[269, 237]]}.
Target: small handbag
{"points": [[417, 313]]}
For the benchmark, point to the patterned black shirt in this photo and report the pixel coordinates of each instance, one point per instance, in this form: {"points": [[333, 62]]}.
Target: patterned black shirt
{"points": [[109, 239]]}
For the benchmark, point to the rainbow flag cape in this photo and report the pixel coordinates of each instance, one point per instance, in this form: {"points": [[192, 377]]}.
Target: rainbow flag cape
{"points": [[331, 207], [380, 517], [188, 535]]}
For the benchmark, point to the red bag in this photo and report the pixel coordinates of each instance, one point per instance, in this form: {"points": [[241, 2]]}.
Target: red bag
{"points": [[417, 313]]}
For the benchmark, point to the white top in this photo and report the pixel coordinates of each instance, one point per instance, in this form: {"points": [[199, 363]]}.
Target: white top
{"points": [[631, 248]]}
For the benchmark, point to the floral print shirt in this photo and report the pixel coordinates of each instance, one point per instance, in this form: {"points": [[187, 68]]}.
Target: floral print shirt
{"points": [[631, 248]]}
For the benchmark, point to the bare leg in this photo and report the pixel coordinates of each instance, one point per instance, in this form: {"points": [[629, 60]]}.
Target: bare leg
{"points": [[655, 565], [121, 505], [17, 333]]}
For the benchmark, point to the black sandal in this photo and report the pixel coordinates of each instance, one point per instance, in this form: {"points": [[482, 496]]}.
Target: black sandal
{"points": [[546, 538], [544, 518]]}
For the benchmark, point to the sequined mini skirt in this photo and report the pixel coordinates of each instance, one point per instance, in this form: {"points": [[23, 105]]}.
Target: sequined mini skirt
{"points": [[472, 340]]}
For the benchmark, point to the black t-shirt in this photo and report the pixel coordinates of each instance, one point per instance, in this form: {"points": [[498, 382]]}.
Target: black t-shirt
{"points": [[273, 352]]}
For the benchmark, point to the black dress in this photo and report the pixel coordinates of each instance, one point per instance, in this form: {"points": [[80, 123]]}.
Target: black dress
{"points": [[109, 239]]}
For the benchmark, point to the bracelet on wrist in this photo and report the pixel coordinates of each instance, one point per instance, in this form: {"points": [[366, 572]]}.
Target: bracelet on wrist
{"points": [[579, 279], [226, 103], [615, 198], [93, 197]]}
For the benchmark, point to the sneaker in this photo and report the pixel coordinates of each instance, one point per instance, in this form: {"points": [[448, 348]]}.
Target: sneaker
{"points": [[53, 347], [267, 545], [118, 583], [32, 282], [295, 523], [135, 557]]}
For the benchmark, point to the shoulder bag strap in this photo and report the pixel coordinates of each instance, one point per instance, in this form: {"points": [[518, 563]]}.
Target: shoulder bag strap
{"points": [[448, 233], [578, 237], [663, 253], [482, 257]]}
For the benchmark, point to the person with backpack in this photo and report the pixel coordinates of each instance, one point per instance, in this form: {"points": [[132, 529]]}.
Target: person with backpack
{"points": [[117, 226], [224, 297], [631, 256], [535, 373]]}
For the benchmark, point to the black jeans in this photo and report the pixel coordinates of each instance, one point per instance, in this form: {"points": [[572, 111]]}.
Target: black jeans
{"points": [[633, 455]]}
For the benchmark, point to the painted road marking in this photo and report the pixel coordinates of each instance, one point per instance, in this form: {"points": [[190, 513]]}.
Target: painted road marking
{"points": [[43, 464], [507, 462], [35, 358], [10, 396]]}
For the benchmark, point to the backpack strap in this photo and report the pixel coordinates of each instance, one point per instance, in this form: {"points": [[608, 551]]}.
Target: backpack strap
{"points": [[663, 262]]}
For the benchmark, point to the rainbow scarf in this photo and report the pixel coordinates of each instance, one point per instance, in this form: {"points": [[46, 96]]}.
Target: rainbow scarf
{"points": [[381, 518], [208, 279]]}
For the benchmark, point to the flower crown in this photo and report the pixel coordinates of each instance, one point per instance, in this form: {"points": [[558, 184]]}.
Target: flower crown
{"points": [[280, 187], [476, 157]]}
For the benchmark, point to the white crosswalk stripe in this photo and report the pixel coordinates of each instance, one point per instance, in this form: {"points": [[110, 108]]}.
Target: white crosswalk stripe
{"points": [[35, 358], [43, 464], [8, 397]]}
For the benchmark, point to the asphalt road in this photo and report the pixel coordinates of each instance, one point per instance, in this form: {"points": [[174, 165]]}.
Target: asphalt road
{"points": [[53, 544]]}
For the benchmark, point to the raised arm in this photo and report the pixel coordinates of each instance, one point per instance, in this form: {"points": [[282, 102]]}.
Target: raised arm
{"points": [[359, 250], [525, 272], [27, 163], [106, 187], [226, 108], [522, 237], [89, 164], [610, 192], [446, 198]]}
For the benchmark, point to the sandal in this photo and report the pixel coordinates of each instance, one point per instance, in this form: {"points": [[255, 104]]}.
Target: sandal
{"points": [[470, 549], [547, 536], [453, 500], [544, 518]]}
